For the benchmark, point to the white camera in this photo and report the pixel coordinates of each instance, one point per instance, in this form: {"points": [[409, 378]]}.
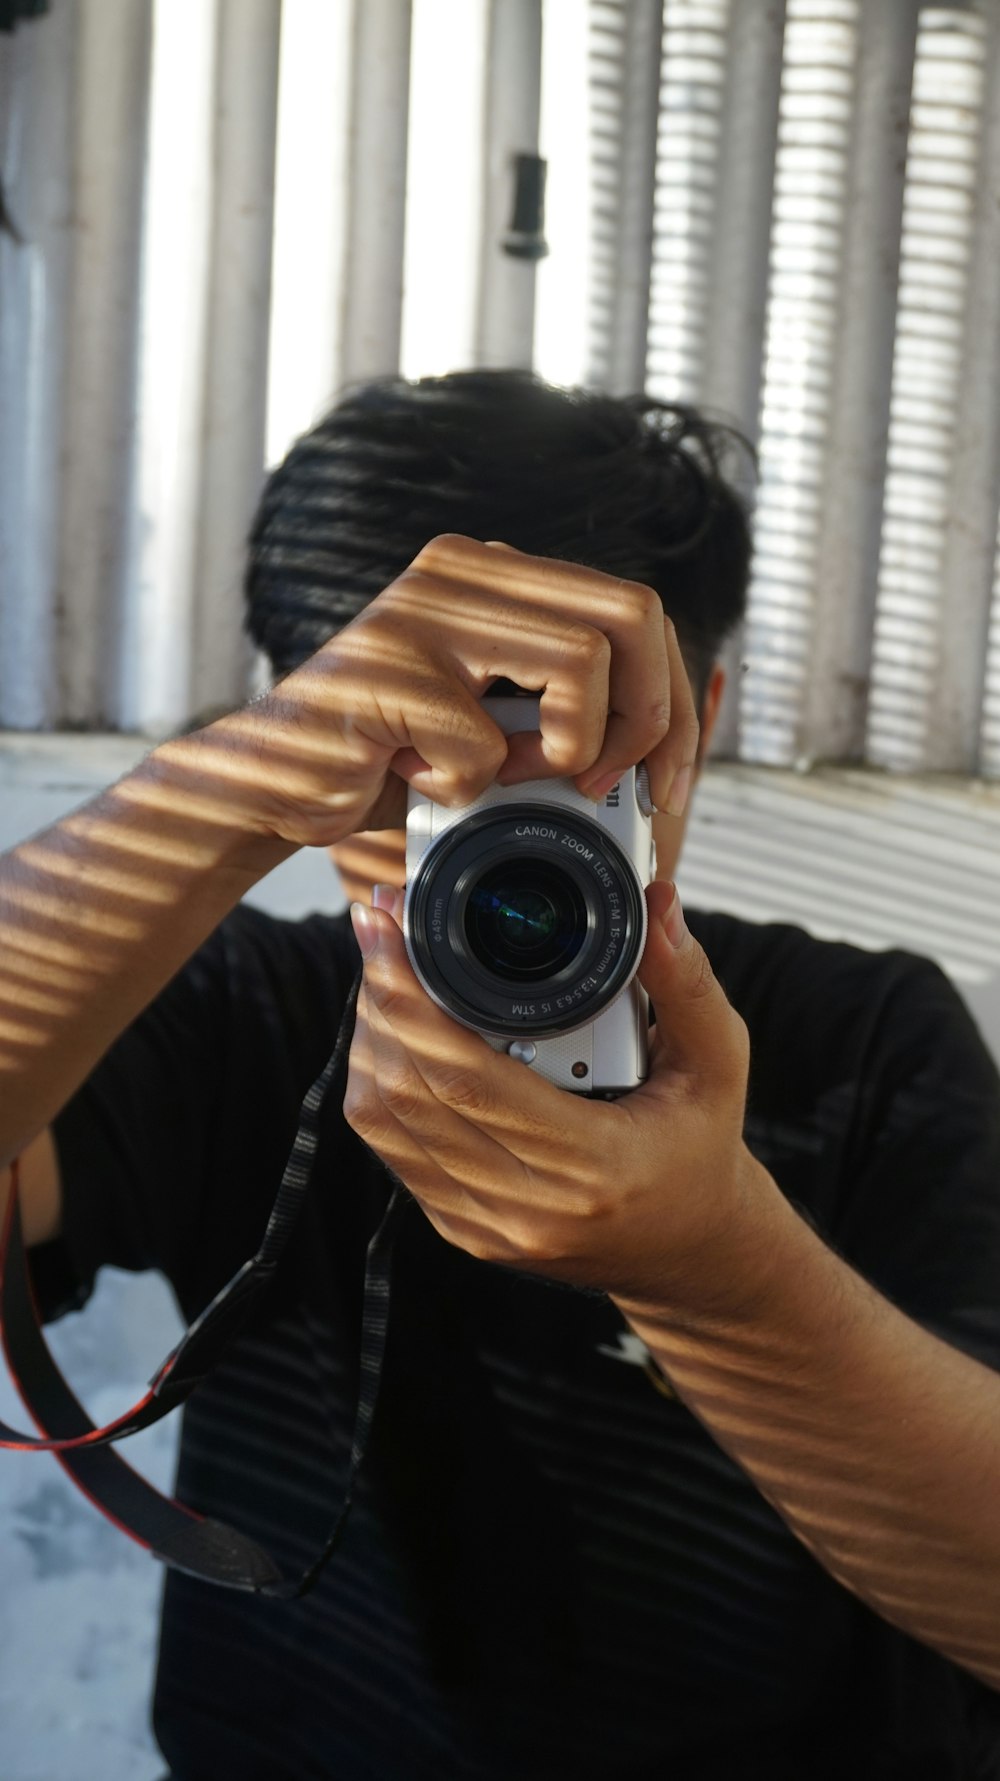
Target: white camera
{"points": [[525, 919]]}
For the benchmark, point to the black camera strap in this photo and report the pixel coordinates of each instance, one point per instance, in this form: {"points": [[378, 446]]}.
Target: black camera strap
{"points": [[177, 1535]]}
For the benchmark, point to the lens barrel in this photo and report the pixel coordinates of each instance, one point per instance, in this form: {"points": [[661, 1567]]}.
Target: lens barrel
{"points": [[524, 919]]}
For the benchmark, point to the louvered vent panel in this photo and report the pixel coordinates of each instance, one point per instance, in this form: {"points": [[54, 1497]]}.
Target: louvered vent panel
{"points": [[692, 80], [605, 71], [807, 238], [941, 176], [336, 292]]}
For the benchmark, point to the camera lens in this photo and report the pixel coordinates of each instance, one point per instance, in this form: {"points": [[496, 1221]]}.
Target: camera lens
{"points": [[525, 920]]}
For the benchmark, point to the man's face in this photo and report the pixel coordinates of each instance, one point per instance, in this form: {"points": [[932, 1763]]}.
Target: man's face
{"points": [[379, 856]]}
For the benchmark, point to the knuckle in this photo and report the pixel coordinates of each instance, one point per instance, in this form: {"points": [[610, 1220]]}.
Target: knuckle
{"points": [[702, 981], [409, 586], [442, 551], [529, 1238], [390, 1002], [492, 751], [483, 756], [473, 747], [461, 789], [584, 645], [462, 1088], [359, 1106], [458, 795], [594, 1202], [399, 1094], [658, 717], [644, 605]]}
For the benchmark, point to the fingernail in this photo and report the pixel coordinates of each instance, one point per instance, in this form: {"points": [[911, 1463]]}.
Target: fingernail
{"points": [[384, 896], [679, 791], [365, 928], [601, 786], [674, 925]]}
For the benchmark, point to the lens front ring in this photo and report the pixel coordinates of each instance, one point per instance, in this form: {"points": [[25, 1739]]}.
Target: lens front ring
{"points": [[478, 889]]}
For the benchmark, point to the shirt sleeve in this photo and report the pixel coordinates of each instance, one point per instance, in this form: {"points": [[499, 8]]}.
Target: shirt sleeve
{"points": [[921, 1216], [171, 1152]]}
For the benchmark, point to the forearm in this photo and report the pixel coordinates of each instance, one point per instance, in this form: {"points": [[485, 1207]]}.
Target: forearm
{"points": [[877, 1443], [98, 912]]}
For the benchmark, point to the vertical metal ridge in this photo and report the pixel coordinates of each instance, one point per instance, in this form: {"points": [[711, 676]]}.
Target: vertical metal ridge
{"points": [[956, 716], [311, 216], [815, 112], [373, 293], [98, 440], [737, 315], [158, 621], [641, 50], [505, 303], [834, 712], [235, 393], [689, 135], [927, 418], [37, 121], [625, 68]]}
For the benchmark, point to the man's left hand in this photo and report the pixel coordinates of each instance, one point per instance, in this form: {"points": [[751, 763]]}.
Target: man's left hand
{"points": [[648, 1198]]}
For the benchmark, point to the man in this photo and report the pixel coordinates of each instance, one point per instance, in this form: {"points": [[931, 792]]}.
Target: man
{"points": [[687, 1452]]}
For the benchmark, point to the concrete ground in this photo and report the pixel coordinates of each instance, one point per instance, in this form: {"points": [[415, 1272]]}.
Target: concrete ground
{"points": [[849, 855]]}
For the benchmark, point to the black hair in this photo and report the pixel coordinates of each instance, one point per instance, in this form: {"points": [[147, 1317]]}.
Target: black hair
{"points": [[631, 486]]}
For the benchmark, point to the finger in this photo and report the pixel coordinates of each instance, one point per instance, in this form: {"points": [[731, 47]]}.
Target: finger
{"points": [[456, 1144], [389, 897], [627, 615], [489, 636], [389, 1097], [367, 1115], [444, 1200], [505, 1099], [405, 1092], [399, 706], [640, 687], [671, 762], [697, 1029], [455, 749], [507, 1205], [472, 1190], [631, 714], [570, 663]]}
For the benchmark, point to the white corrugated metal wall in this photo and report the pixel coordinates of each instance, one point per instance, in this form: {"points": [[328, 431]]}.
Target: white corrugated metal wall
{"points": [[785, 209]]}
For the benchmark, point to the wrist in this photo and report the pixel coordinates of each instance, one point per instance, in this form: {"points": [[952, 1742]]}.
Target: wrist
{"points": [[729, 1279], [201, 791]]}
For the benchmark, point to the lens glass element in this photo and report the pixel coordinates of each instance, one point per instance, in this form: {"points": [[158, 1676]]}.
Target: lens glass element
{"points": [[525, 919]]}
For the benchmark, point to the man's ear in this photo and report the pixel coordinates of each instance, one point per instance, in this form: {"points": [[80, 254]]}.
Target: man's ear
{"points": [[710, 709]]}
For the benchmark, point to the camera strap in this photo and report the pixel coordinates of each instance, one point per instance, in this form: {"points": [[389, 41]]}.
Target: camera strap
{"points": [[172, 1532]]}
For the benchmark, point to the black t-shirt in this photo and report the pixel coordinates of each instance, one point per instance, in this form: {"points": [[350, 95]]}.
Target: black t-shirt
{"points": [[552, 1569]]}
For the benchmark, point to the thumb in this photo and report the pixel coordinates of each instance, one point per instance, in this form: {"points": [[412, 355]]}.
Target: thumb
{"points": [[697, 1029]]}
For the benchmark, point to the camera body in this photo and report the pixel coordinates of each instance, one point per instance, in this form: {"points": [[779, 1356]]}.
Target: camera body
{"points": [[524, 919]]}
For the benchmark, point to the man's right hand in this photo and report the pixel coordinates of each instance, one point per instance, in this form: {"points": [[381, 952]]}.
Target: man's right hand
{"points": [[98, 912], [394, 698]]}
